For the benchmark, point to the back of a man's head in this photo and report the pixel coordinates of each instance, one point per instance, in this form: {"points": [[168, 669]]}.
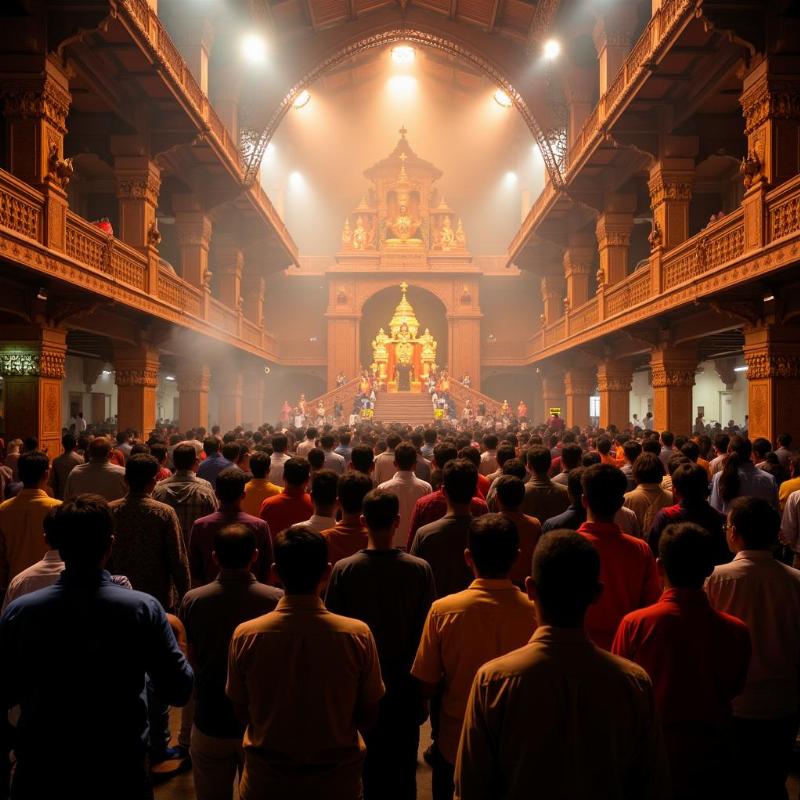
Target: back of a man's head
{"points": [[324, 485], [690, 482], [444, 452], [603, 445], [230, 485], [460, 481], [184, 457], [327, 442], [301, 558], [234, 546], [32, 467], [259, 464], [648, 468], [571, 456], [311, 434], [686, 553], [405, 457], [210, 445], [316, 458], [351, 490], [784, 439], [493, 544], [632, 450], [231, 451], [667, 438], [344, 438], [140, 471], [380, 510], [505, 452], [279, 443], [510, 492], [69, 442], [566, 577], [470, 453], [99, 449], [83, 529], [515, 467], [429, 436], [392, 440], [362, 458], [296, 471], [603, 490], [756, 522], [539, 459]]}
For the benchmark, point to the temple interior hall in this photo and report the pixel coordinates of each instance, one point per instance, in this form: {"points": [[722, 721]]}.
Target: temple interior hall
{"points": [[253, 253]]}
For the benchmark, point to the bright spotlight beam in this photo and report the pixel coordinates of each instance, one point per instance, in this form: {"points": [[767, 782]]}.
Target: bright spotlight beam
{"points": [[502, 99], [403, 54], [551, 49], [302, 99], [254, 48]]}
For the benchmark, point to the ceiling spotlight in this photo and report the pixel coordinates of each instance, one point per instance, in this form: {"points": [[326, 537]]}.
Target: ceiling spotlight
{"points": [[510, 178], [403, 54], [41, 294], [106, 372], [551, 49], [254, 48], [169, 378], [769, 297], [502, 99], [302, 99], [740, 369]]}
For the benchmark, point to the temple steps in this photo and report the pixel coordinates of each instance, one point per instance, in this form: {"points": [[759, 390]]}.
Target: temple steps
{"points": [[409, 408]]}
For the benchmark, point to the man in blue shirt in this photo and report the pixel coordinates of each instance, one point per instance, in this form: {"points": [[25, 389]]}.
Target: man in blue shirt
{"points": [[75, 658], [213, 463]]}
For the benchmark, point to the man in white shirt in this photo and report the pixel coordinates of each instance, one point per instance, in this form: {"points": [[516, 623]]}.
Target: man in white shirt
{"points": [[384, 463], [489, 455], [333, 461], [407, 487], [98, 475], [765, 594], [308, 444], [278, 458], [324, 487]]}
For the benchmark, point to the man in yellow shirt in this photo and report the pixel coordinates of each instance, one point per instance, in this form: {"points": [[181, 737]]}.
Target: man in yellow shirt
{"points": [[465, 630], [792, 485], [259, 488], [21, 518]]}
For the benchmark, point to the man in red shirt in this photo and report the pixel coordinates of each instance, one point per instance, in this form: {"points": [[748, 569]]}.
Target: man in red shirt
{"points": [[697, 658], [627, 567], [433, 506], [293, 504]]}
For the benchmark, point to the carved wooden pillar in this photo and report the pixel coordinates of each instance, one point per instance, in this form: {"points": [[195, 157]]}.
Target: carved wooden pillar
{"points": [[581, 100], [579, 384], [613, 35], [772, 355], [228, 266], [136, 370], [32, 361], [36, 106], [578, 258], [552, 390], [614, 379], [193, 382], [253, 288], [673, 371], [229, 385], [613, 231], [464, 346], [194, 228], [552, 298], [670, 188]]}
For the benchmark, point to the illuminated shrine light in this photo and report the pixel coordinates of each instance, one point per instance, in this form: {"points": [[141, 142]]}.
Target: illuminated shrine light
{"points": [[302, 99], [502, 99], [403, 54], [551, 49]]}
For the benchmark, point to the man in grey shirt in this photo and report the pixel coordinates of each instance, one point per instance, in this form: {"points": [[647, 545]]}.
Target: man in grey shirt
{"points": [[98, 475]]}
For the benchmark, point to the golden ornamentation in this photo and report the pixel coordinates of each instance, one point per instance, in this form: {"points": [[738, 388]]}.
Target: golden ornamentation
{"points": [[761, 366]]}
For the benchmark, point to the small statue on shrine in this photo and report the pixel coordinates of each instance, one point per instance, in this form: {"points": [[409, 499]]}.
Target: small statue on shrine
{"points": [[379, 351], [461, 237], [428, 347], [360, 236], [447, 237], [504, 409], [347, 234], [404, 228]]}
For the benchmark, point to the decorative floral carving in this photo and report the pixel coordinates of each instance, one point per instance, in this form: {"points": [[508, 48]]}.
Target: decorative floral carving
{"points": [[663, 189], [143, 376], [50, 102], [770, 101], [613, 383], [750, 169], [153, 235], [771, 365], [44, 364], [142, 187], [655, 238], [671, 377]]}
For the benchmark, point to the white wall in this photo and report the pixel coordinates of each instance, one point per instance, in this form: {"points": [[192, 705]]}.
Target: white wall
{"points": [[73, 383]]}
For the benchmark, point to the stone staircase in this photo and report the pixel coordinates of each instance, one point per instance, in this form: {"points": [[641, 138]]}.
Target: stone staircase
{"points": [[409, 408]]}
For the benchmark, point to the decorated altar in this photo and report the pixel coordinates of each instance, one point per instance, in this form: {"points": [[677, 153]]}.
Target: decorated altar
{"points": [[403, 358]]}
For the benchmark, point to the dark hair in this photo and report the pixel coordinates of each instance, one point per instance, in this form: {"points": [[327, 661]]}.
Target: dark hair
{"points": [[566, 573], [539, 459], [296, 471], [444, 452], [323, 487], [590, 458], [159, 451], [139, 448], [312, 433], [510, 492], [575, 484], [352, 488], [690, 481], [648, 468], [50, 528], [362, 458], [460, 480], [327, 441], [429, 436], [490, 441], [301, 557], [721, 442], [99, 448], [230, 484], [345, 437], [667, 438], [234, 546], [651, 446], [83, 528], [210, 445], [761, 447], [739, 451], [231, 451], [184, 456], [32, 467], [260, 463], [632, 450], [405, 456], [757, 523], [515, 467], [279, 443], [392, 440], [686, 552], [471, 454], [316, 458], [691, 450], [784, 439], [69, 442], [604, 489], [140, 469], [380, 509], [494, 544], [571, 456], [603, 445], [505, 452]]}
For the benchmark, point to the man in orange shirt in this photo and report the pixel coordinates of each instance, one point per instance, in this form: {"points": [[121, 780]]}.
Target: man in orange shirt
{"points": [[294, 504], [465, 630], [259, 487], [349, 536], [627, 567]]}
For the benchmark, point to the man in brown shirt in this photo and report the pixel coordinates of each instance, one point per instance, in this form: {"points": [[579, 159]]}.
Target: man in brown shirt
{"points": [[543, 498], [560, 718], [304, 681]]}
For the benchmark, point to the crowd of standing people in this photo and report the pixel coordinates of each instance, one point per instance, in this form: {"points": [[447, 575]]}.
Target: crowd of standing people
{"points": [[578, 613]]}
